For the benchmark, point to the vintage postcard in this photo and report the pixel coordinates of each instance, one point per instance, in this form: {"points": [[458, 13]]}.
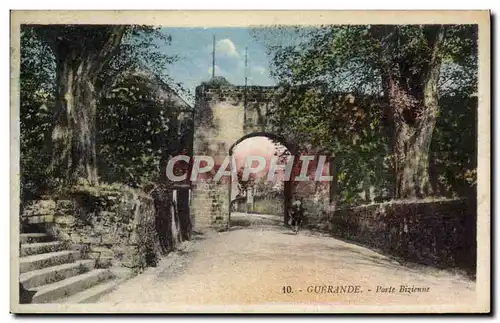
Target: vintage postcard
{"points": [[250, 162]]}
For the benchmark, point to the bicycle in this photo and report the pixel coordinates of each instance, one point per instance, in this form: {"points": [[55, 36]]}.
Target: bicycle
{"points": [[296, 220]]}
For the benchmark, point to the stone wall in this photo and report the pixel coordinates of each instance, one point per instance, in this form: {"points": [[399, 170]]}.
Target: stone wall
{"points": [[440, 233], [115, 224], [210, 204], [220, 120]]}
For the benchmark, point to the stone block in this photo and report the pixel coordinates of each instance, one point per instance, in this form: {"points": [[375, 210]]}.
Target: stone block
{"points": [[109, 240], [40, 207], [90, 240], [64, 219], [103, 256], [81, 248]]}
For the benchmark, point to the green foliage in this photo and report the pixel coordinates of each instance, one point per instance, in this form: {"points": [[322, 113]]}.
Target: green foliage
{"points": [[37, 79], [454, 142], [245, 184], [340, 125], [128, 152], [273, 206], [140, 49], [315, 65], [266, 188], [136, 129], [454, 146], [134, 123]]}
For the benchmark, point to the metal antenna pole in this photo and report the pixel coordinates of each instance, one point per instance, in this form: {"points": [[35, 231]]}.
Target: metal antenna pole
{"points": [[213, 58], [245, 91], [246, 66]]}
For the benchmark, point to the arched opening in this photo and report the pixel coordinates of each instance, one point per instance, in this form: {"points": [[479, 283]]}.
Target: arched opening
{"points": [[263, 194]]}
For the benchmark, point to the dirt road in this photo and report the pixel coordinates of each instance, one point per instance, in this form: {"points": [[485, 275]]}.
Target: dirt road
{"points": [[269, 265]]}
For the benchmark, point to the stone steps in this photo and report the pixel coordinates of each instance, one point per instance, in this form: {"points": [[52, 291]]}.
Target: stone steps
{"points": [[53, 274], [36, 219], [70, 286], [34, 237], [28, 249], [57, 272], [92, 294], [35, 262]]}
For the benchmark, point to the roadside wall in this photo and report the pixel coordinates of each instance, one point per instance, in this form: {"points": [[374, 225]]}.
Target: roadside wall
{"points": [[440, 233], [115, 224]]}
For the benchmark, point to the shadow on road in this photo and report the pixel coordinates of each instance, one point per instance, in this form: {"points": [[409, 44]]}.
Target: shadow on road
{"points": [[251, 219], [198, 236]]}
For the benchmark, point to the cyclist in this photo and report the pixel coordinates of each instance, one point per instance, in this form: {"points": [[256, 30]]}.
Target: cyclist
{"points": [[297, 214]]}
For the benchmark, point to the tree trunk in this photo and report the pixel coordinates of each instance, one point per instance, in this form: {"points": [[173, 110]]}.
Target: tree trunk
{"points": [[186, 226], [73, 135], [413, 120], [411, 159], [167, 218], [81, 53]]}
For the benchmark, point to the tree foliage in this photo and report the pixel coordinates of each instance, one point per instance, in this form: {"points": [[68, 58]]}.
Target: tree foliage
{"points": [[37, 81], [398, 78], [245, 184], [123, 102], [141, 128]]}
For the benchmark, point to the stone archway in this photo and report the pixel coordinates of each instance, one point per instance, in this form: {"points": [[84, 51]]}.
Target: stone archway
{"points": [[269, 135], [225, 115], [287, 185]]}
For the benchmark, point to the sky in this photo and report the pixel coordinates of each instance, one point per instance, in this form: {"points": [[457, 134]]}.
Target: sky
{"points": [[194, 48], [257, 146]]}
